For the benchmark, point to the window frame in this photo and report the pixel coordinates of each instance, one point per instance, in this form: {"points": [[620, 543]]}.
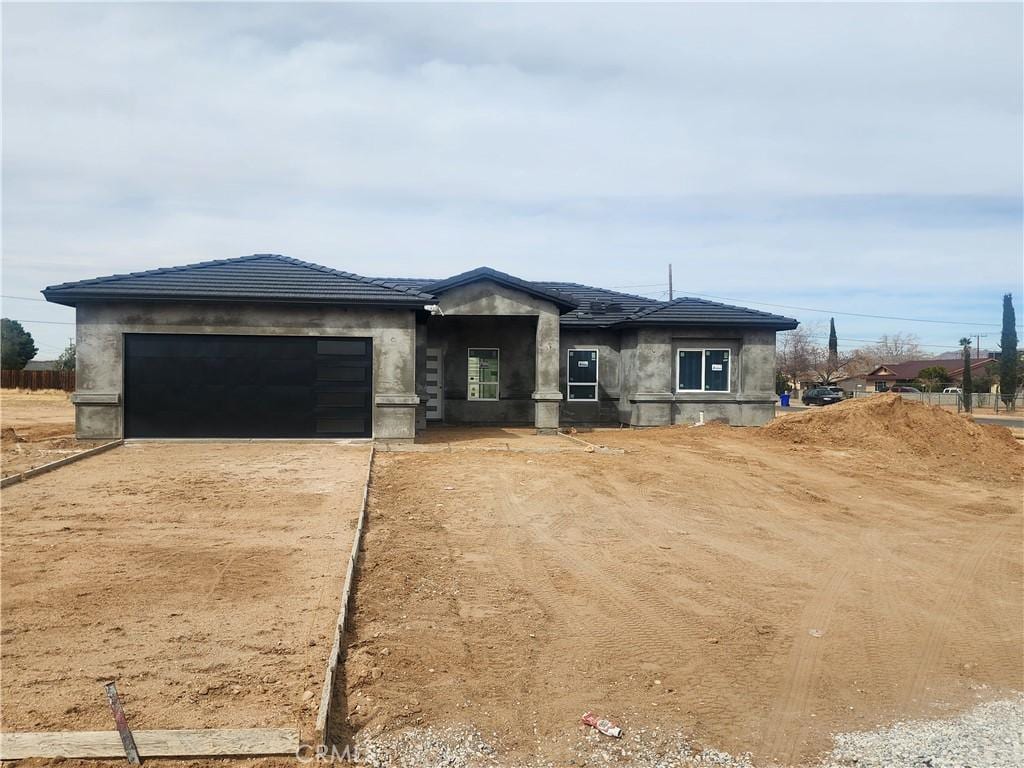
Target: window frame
{"points": [[703, 369], [597, 376], [497, 384]]}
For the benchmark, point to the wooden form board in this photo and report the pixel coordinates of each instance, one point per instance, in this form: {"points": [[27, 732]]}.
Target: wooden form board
{"points": [[324, 713], [58, 463], [183, 743]]}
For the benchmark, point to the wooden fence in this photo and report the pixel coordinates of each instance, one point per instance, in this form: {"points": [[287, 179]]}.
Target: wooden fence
{"points": [[38, 380]]}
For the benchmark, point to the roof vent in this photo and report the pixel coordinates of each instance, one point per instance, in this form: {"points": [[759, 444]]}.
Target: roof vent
{"points": [[604, 307]]}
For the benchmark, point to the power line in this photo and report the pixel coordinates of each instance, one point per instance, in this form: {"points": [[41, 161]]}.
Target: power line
{"points": [[854, 314], [845, 339], [823, 311], [22, 298]]}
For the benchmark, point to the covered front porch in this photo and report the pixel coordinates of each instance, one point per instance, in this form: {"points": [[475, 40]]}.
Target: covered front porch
{"points": [[489, 354]]}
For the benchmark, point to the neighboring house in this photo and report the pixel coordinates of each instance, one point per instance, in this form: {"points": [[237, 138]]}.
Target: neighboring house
{"points": [[269, 346], [885, 376], [854, 384], [42, 365]]}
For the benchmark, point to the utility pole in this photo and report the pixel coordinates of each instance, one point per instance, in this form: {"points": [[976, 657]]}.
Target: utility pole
{"points": [[670, 282]]}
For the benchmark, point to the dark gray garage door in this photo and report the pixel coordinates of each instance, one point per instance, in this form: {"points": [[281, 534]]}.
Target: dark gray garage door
{"points": [[247, 386]]}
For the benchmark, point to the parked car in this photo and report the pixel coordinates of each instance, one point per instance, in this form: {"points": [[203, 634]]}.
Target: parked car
{"points": [[838, 390], [902, 388], [952, 391], [821, 396]]}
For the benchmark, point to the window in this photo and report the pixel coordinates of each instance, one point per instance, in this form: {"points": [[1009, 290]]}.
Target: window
{"points": [[483, 374], [703, 370], [581, 374]]}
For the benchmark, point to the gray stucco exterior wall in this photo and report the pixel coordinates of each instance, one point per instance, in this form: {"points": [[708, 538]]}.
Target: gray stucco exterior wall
{"points": [[651, 383], [609, 376], [637, 376], [101, 327]]}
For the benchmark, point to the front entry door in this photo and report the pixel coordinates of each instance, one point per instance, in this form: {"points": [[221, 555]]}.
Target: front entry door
{"points": [[435, 385]]}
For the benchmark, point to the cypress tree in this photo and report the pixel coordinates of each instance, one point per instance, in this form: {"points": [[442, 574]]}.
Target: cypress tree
{"points": [[833, 344], [1008, 352]]}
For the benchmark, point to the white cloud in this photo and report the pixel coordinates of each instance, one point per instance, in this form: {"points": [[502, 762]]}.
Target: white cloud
{"points": [[581, 142]]}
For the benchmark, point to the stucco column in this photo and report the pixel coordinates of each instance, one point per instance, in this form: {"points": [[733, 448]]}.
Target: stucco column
{"points": [[653, 396], [421, 374], [547, 396]]}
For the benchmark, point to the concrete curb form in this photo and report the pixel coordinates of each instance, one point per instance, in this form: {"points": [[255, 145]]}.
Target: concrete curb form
{"points": [[323, 718], [12, 479], [506, 448]]}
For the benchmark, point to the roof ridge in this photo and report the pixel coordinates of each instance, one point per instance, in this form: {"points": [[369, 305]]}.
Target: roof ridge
{"points": [[493, 274], [729, 306], [235, 259], [679, 299], [163, 270], [607, 290], [351, 275]]}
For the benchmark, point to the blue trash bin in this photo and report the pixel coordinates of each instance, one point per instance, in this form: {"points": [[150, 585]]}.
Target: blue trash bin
{"points": [[784, 399]]}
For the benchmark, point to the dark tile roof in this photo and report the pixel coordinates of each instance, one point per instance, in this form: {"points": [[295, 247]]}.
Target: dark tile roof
{"points": [[260, 277], [599, 307], [687, 310], [911, 369], [274, 278], [562, 300], [595, 307]]}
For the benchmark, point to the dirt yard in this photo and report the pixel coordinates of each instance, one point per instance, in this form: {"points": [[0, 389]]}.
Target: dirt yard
{"points": [[37, 428], [204, 578], [758, 589]]}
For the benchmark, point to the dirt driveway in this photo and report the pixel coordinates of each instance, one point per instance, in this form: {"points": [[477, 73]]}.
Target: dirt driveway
{"points": [[759, 597], [204, 578]]}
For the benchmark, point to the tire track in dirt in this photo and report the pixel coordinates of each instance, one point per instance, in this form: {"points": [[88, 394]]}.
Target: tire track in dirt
{"points": [[877, 652], [950, 604], [654, 620], [787, 721]]}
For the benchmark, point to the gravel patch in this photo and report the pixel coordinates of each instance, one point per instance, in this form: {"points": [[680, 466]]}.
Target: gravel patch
{"points": [[462, 747], [988, 736]]}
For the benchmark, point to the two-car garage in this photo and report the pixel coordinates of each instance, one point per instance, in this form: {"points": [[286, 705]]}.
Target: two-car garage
{"points": [[194, 386]]}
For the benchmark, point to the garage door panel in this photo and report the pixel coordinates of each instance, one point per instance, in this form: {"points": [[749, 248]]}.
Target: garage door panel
{"points": [[352, 399], [180, 385], [348, 347], [343, 373]]}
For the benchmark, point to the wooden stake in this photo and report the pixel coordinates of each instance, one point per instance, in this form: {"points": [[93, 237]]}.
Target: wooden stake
{"points": [[127, 740]]}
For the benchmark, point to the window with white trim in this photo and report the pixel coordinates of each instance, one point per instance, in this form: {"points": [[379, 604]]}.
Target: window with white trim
{"points": [[483, 374], [703, 370], [581, 374]]}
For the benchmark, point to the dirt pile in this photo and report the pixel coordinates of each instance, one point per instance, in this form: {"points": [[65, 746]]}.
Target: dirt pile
{"points": [[891, 426]]}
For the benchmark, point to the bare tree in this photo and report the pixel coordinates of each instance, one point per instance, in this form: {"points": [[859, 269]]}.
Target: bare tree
{"points": [[795, 355], [897, 348], [829, 366]]}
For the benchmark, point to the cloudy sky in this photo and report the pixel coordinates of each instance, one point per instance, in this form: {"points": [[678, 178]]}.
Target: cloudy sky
{"points": [[861, 159]]}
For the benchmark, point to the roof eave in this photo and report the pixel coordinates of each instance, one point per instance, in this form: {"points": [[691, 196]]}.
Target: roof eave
{"points": [[760, 324], [562, 301], [71, 300]]}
